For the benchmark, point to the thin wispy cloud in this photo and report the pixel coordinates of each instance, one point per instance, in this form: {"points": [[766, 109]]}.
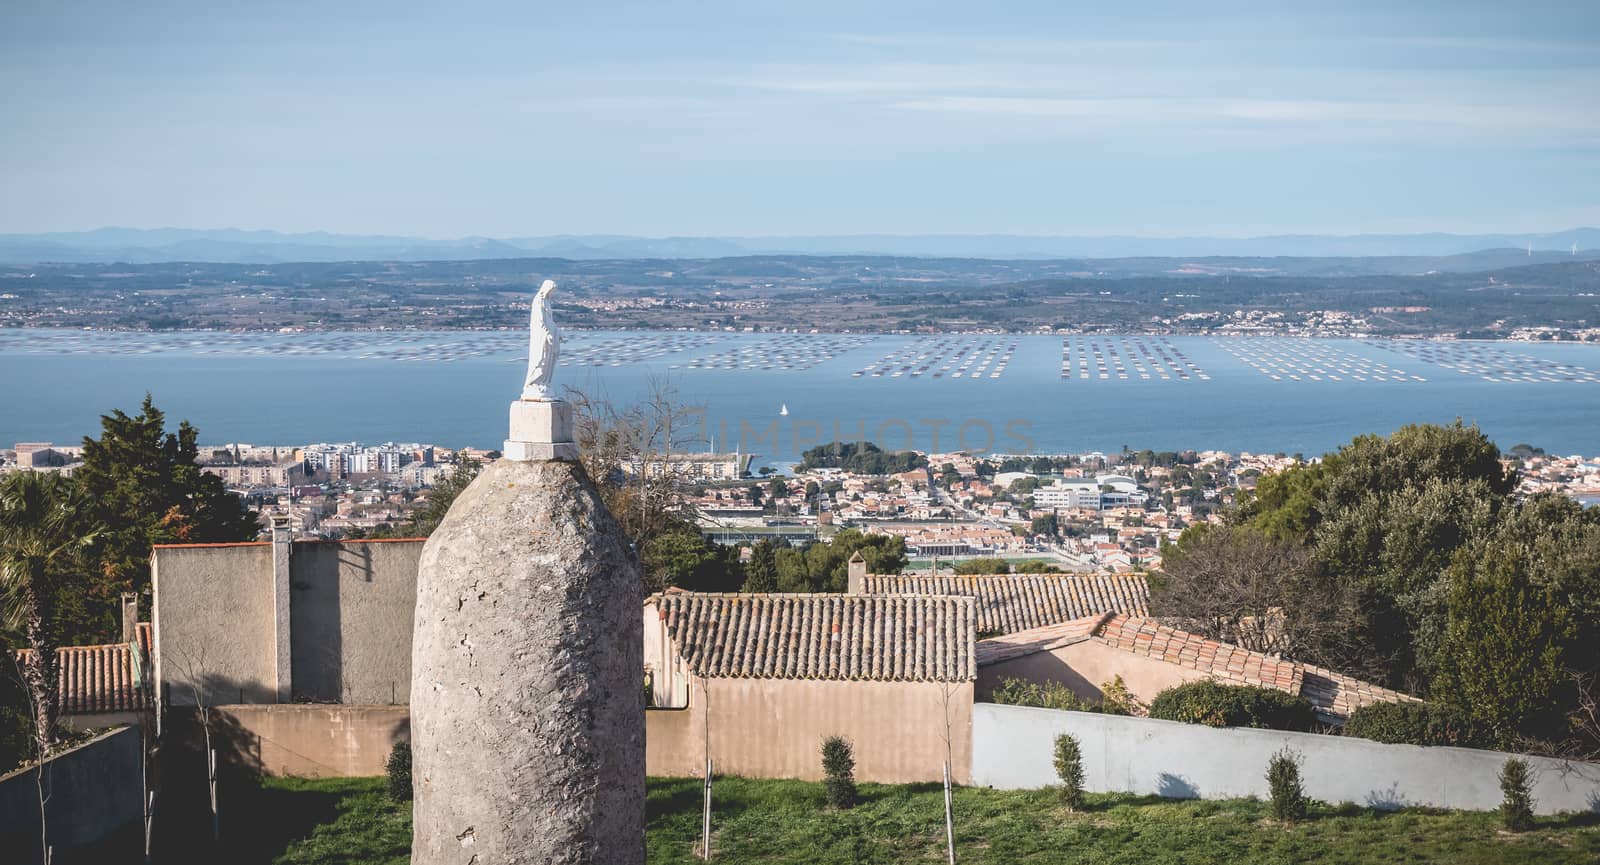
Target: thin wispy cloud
{"points": [[900, 117], [1504, 118]]}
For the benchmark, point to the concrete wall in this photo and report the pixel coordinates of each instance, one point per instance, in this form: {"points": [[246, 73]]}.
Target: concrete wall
{"points": [[1084, 667], [773, 728], [304, 740], [214, 613], [1012, 748], [352, 605], [96, 789]]}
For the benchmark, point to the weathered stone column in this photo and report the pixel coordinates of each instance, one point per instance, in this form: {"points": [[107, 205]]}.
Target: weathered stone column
{"points": [[527, 682]]}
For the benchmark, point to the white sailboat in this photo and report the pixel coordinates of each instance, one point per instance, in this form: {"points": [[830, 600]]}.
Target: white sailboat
{"points": [[783, 410]]}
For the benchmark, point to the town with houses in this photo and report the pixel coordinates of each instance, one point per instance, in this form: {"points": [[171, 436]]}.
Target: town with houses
{"points": [[1085, 512]]}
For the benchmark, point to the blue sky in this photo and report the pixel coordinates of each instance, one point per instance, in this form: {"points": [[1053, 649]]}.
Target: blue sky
{"points": [[752, 117]]}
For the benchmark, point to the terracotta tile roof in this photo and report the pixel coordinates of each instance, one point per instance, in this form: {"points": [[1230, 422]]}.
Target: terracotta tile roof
{"points": [[1009, 603], [1333, 695], [109, 678], [1337, 694], [906, 638], [1223, 661], [1037, 640]]}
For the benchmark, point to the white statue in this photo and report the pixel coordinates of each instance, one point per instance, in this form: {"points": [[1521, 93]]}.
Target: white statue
{"points": [[544, 346]]}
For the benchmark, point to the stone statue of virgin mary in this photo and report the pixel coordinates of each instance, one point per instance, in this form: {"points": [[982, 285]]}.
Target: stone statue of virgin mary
{"points": [[544, 346]]}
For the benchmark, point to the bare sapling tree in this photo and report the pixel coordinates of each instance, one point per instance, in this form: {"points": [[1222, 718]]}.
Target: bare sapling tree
{"points": [[190, 664], [1235, 584], [705, 827], [1582, 740], [42, 767], [633, 453], [947, 691]]}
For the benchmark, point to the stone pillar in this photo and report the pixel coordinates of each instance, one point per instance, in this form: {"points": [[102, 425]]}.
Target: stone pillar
{"points": [[282, 550], [527, 682]]}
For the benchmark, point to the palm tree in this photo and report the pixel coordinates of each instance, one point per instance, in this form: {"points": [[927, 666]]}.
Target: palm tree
{"points": [[45, 534]]}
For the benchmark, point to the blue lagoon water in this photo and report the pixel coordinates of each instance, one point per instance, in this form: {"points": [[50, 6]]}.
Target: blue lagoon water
{"points": [[985, 392]]}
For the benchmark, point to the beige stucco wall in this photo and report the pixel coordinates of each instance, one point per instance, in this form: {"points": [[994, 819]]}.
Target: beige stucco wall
{"points": [[304, 740], [773, 728], [214, 614], [351, 606], [1084, 667]]}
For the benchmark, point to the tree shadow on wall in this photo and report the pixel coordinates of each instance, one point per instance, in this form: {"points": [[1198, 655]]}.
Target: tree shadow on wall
{"points": [[1170, 786]]}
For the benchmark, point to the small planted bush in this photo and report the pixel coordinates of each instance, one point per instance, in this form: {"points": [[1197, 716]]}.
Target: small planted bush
{"points": [[1283, 780], [839, 772], [398, 770], [1217, 705], [1415, 724], [1516, 788], [1118, 700], [1069, 768]]}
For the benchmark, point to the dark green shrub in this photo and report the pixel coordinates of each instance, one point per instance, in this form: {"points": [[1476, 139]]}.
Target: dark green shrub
{"points": [[1283, 779], [1217, 705], [1516, 808], [1415, 724], [1054, 695], [399, 771], [839, 772], [1069, 768]]}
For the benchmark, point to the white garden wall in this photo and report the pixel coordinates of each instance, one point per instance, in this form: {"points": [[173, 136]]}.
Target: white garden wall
{"points": [[1012, 748]]}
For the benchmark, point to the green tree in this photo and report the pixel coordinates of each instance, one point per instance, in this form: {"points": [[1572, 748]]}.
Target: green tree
{"points": [[975, 567], [1503, 653], [1561, 539], [46, 530], [761, 572], [1392, 548], [684, 558], [777, 488], [1047, 525], [1382, 518], [824, 566], [1450, 453], [147, 490]]}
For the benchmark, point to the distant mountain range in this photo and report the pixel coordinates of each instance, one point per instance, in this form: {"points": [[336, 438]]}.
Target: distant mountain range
{"points": [[144, 246]]}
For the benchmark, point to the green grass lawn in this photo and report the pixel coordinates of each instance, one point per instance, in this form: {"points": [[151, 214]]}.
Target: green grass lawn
{"points": [[348, 821]]}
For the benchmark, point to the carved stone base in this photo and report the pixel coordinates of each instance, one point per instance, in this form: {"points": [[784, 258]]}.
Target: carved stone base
{"points": [[540, 430]]}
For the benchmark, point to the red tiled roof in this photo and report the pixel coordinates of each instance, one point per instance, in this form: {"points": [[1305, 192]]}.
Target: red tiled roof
{"points": [[1342, 694], [109, 678], [1333, 695], [1037, 640], [906, 638], [1010, 603]]}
